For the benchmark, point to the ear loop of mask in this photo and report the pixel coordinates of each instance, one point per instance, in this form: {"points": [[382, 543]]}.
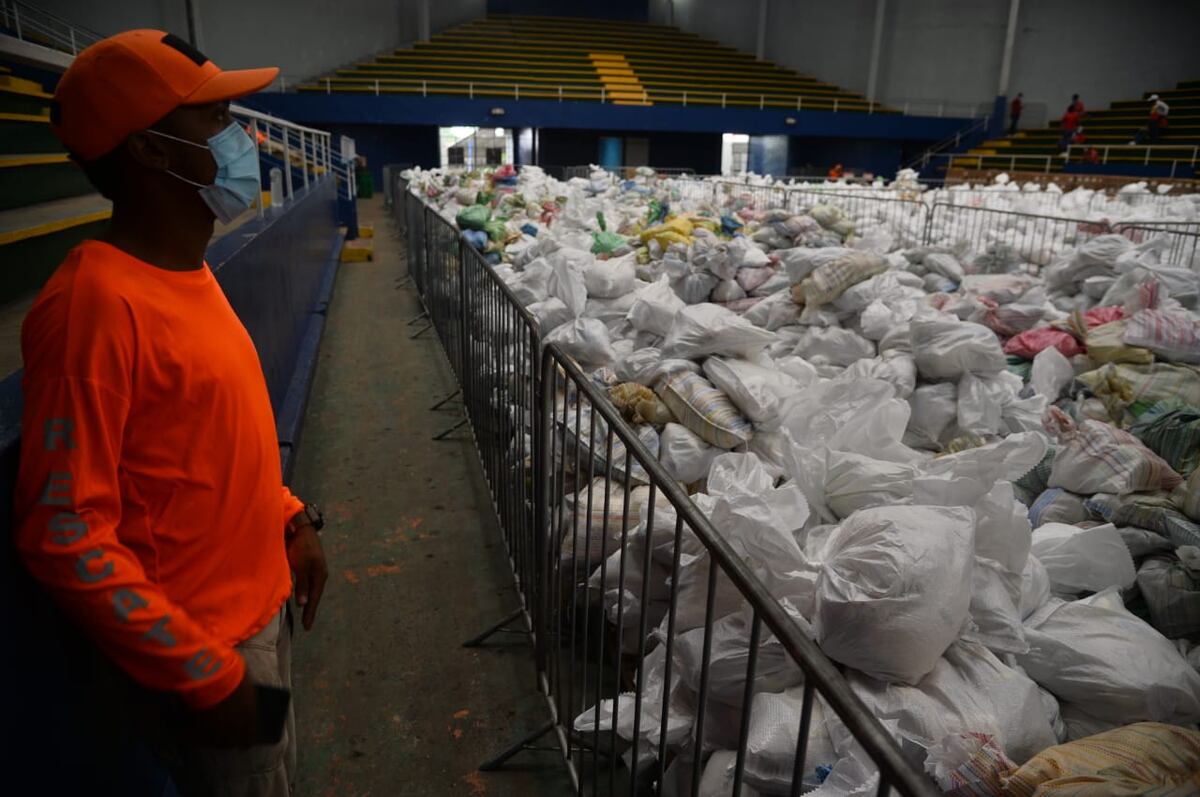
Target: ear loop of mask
{"points": [[182, 141]]}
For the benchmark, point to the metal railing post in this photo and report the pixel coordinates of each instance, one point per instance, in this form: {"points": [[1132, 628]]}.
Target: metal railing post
{"points": [[74, 48], [328, 88], [835, 104], [287, 162], [376, 87], [303, 157], [722, 99]]}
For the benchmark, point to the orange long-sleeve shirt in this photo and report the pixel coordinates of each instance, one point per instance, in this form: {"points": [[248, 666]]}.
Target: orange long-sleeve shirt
{"points": [[150, 500]]}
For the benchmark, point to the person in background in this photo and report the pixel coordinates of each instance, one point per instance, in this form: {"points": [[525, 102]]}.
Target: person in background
{"points": [[1070, 122], [1159, 111], [1014, 112], [836, 172], [149, 501], [1091, 156], [1076, 105]]}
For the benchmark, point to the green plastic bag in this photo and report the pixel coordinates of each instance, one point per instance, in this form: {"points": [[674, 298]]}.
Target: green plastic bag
{"points": [[495, 229], [605, 243], [473, 217], [1171, 429]]}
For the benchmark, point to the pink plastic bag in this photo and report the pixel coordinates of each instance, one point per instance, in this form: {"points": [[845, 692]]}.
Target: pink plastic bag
{"points": [[1027, 344]]}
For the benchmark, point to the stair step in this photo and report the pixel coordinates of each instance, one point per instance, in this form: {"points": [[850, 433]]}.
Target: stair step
{"points": [[43, 218]]}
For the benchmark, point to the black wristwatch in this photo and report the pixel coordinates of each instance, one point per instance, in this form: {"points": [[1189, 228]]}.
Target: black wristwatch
{"points": [[312, 515]]}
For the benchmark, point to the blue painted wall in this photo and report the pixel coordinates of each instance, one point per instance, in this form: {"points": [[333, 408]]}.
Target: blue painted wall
{"points": [[69, 734], [353, 109]]}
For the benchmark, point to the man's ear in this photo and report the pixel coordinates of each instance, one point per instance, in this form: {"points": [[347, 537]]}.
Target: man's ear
{"points": [[148, 151]]}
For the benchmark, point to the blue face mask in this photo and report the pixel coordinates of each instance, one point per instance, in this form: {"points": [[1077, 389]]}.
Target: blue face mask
{"points": [[238, 181]]}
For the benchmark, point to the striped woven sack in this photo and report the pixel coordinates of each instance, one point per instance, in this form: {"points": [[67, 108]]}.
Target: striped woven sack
{"points": [[1172, 335], [590, 545], [705, 410], [1095, 457], [1172, 594], [1171, 429], [1147, 758]]}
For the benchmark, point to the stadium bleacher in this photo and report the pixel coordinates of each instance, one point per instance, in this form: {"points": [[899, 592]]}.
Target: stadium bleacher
{"points": [[1111, 129], [624, 63]]}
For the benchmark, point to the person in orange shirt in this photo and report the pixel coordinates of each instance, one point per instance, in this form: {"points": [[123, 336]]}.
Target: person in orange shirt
{"points": [[150, 502], [836, 172]]}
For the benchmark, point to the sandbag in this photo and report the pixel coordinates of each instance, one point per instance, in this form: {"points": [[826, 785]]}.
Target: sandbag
{"points": [[685, 455], [608, 279], [705, 410], [854, 482], [1139, 759], [1171, 587], [1094, 457], [1171, 429], [895, 588], [833, 345], [1173, 335], [1106, 344], [758, 391], [654, 307], [1057, 505], [585, 340], [968, 690], [704, 329], [1083, 559], [827, 282], [946, 349], [1095, 653], [473, 217]]}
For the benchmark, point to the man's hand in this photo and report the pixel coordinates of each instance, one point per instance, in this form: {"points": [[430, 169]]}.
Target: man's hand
{"points": [[231, 723], [307, 559]]}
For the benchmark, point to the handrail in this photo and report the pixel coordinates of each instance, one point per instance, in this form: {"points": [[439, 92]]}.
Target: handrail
{"points": [[37, 26], [1104, 148], [946, 143], [1046, 159]]}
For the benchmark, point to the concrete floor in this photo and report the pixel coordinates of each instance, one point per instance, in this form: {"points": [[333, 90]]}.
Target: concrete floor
{"points": [[387, 700]]}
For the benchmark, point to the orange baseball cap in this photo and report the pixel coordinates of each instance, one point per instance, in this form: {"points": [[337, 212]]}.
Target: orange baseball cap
{"points": [[127, 82]]}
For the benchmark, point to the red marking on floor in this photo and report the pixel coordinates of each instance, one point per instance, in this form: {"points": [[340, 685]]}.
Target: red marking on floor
{"points": [[379, 570], [462, 714], [351, 576], [412, 524], [475, 781]]}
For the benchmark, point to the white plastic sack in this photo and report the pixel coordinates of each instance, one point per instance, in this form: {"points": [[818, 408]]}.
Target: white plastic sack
{"points": [[1083, 560], [895, 589], [934, 415], [834, 346], [771, 743], [584, 339], [685, 455], [1095, 653], [775, 311], [608, 279], [654, 307], [946, 349], [968, 690], [754, 389], [1051, 373], [704, 329], [854, 482]]}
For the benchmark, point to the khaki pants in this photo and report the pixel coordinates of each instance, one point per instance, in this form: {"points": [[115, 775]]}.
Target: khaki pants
{"points": [[260, 771]]}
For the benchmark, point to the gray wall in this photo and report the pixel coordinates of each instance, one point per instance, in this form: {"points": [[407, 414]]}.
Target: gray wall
{"points": [[951, 49], [302, 37]]}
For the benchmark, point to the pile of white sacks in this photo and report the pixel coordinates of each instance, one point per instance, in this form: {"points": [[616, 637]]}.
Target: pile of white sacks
{"points": [[841, 406]]}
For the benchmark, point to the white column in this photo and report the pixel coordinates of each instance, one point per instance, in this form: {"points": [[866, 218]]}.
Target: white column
{"points": [[760, 48], [1010, 36], [876, 43], [423, 20]]}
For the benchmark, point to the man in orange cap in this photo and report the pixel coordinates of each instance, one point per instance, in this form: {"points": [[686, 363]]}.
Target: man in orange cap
{"points": [[150, 501]]}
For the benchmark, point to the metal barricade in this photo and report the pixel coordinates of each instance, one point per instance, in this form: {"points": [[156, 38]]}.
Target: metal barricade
{"points": [[499, 379], [1182, 248], [637, 590], [1034, 239], [905, 217]]}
